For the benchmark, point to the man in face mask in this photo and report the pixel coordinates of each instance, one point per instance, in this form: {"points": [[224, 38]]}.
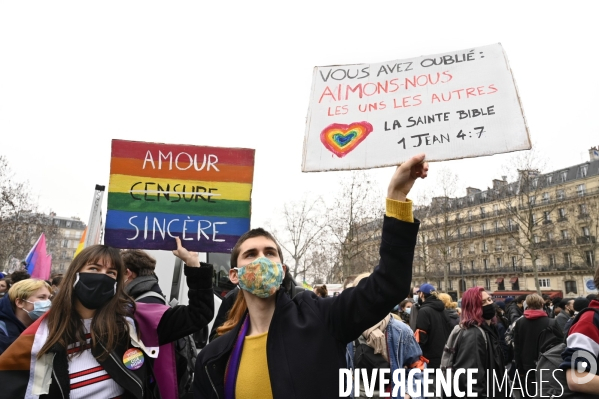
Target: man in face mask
{"points": [[567, 306], [273, 345]]}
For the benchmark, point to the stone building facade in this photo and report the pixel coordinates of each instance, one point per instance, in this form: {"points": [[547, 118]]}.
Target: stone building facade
{"points": [[542, 228]]}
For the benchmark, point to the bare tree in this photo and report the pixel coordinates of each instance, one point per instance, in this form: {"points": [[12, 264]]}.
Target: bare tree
{"points": [[304, 223], [20, 223], [579, 217], [528, 206], [356, 224], [423, 265], [445, 238]]}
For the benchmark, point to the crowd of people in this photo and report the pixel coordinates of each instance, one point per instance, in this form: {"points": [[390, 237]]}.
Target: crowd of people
{"points": [[104, 329]]}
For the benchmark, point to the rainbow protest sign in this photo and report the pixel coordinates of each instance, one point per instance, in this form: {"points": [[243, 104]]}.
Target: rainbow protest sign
{"points": [[161, 191]]}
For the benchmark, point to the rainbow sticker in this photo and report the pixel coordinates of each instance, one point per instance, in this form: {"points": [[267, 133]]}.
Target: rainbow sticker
{"points": [[133, 359], [342, 139]]}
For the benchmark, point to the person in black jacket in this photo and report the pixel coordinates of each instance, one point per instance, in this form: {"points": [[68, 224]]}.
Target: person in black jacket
{"points": [[526, 341], [96, 340], [140, 278], [478, 346], [516, 308], [433, 325], [566, 313], [275, 346]]}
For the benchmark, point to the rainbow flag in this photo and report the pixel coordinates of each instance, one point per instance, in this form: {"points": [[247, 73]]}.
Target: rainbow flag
{"points": [[81, 244], [38, 261], [307, 286], [161, 191]]}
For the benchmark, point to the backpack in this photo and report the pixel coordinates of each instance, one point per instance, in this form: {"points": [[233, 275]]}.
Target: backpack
{"points": [[554, 378], [365, 358], [549, 337], [450, 348], [509, 333], [185, 354]]}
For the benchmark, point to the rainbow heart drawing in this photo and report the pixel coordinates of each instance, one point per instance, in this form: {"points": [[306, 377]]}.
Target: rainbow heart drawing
{"points": [[342, 139]]}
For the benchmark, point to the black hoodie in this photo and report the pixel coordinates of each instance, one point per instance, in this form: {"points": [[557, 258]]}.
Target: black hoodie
{"points": [[435, 329]]}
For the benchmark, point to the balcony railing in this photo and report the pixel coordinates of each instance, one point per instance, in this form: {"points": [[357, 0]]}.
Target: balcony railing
{"points": [[504, 270], [585, 240]]}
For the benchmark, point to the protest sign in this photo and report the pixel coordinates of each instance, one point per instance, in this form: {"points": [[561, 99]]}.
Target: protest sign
{"points": [[455, 105], [161, 191]]}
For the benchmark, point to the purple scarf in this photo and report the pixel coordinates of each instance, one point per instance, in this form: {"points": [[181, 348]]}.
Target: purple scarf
{"points": [[233, 364]]}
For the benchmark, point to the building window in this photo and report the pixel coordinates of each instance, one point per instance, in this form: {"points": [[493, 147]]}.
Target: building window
{"points": [[488, 284], [485, 249], [582, 171], [549, 179], [571, 287], [449, 267], [549, 236], [495, 210], [552, 260], [450, 285], [567, 259], [563, 176], [514, 262], [586, 232], [546, 198], [472, 265], [486, 264], [499, 262], [547, 216], [565, 234], [483, 196], [560, 195], [545, 283], [471, 250], [582, 209], [69, 223], [532, 200], [589, 258], [497, 244], [511, 243], [536, 239], [535, 182], [562, 213], [482, 212], [440, 285], [469, 215], [482, 227], [474, 282], [580, 189], [65, 243]]}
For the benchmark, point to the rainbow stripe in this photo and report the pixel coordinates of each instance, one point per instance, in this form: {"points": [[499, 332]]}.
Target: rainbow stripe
{"points": [[161, 191]]}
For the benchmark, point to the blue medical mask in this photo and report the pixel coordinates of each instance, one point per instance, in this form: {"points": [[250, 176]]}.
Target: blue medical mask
{"points": [[39, 308], [408, 310]]}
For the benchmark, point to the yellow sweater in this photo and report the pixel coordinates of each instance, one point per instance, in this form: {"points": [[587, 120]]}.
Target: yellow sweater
{"points": [[253, 379]]}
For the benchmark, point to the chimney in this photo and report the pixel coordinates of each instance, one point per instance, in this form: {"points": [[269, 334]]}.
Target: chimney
{"points": [[593, 154], [472, 190], [499, 183]]}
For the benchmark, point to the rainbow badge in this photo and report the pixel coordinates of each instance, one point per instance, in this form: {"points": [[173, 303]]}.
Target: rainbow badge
{"points": [[341, 139], [133, 359]]}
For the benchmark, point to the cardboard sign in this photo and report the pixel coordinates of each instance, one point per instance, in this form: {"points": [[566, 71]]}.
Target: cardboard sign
{"points": [[161, 191], [455, 105]]}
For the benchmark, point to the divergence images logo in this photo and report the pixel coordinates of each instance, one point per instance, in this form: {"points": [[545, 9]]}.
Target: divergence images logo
{"points": [[582, 365]]}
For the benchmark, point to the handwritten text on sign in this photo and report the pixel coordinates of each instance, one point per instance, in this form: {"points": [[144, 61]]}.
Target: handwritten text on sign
{"points": [[161, 191], [455, 105]]}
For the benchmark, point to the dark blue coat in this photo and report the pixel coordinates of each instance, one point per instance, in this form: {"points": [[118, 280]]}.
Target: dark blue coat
{"points": [[10, 326]]}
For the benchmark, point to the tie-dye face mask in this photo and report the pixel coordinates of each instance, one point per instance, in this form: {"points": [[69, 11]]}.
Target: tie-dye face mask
{"points": [[262, 277]]}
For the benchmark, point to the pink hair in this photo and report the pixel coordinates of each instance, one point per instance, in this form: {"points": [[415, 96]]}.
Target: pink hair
{"points": [[472, 310]]}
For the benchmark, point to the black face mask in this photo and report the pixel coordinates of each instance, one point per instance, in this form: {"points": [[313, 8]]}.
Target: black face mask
{"points": [[420, 301], [488, 311], [94, 289]]}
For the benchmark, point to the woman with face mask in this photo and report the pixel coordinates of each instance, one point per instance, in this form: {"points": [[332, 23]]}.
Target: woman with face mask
{"points": [[96, 342], [478, 345], [4, 286], [26, 301]]}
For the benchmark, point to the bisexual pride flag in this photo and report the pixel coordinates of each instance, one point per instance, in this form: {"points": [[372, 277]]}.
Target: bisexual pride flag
{"points": [[161, 191], [38, 261]]}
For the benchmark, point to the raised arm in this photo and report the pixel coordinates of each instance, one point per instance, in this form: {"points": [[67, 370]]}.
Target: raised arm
{"points": [[357, 309]]}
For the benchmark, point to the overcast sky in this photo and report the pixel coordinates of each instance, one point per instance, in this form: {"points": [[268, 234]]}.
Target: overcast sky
{"points": [[74, 75]]}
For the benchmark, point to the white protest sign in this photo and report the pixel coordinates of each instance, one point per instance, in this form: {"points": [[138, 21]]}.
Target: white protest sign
{"points": [[456, 105]]}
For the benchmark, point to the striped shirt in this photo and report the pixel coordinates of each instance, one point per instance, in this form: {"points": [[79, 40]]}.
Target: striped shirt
{"points": [[88, 379]]}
